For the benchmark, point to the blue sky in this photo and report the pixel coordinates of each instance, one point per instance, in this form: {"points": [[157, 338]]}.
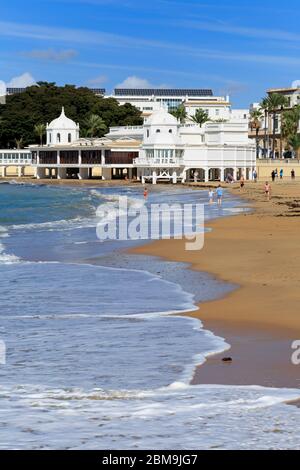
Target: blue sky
{"points": [[235, 47]]}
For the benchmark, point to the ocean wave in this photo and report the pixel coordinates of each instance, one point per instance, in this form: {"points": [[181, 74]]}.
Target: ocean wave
{"points": [[57, 225], [6, 258], [177, 417]]}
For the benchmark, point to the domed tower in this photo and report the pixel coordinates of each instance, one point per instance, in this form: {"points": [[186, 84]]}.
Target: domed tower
{"points": [[162, 150], [162, 141], [160, 127], [62, 131]]}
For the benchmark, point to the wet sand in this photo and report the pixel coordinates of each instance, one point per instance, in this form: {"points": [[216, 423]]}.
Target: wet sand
{"points": [[260, 253]]}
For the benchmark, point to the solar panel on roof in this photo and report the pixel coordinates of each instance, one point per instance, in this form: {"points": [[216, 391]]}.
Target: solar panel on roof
{"points": [[162, 92], [98, 91]]}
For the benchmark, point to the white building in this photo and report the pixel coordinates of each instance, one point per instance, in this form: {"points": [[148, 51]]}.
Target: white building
{"points": [[160, 150], [62, 131]]}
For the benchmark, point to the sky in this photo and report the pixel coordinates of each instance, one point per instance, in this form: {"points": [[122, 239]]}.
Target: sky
{"points": [[240, 48]]}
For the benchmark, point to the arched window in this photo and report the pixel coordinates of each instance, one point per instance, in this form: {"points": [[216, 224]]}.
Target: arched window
{"points": [[58, 138], [69, 138], [50, 137], [148, 133]]}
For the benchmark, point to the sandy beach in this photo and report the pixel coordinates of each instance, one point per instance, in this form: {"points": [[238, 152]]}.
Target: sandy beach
{"points": [[259, 253]]}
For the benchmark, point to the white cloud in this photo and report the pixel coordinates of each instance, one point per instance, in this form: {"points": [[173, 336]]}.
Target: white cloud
{"points": [[136, 82], [98, 81], [72, 36], [21, 81], [52, 54]]}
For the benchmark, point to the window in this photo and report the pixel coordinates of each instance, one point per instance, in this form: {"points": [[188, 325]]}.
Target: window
{"points": [[170, 131], [157, 131], [69, 138], [50, 135], [58, 138], [148, 133], [217, 112]]}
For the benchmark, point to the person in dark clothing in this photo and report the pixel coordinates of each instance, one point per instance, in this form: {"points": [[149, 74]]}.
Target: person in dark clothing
{"points": [[273, 175]]}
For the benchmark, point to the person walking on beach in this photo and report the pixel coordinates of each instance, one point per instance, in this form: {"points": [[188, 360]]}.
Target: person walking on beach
{"points": [[145, 193], [242, 182], [267, 190], [293, 174], [273, 175], [211, 196], [281, 173], [255, 176], [219, 195]]}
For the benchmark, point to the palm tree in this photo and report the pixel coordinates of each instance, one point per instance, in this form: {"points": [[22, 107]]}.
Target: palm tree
{"points": [[256, 116], [180, 113], [19, 143], [273, 105], [294, 142], [290, 122], [201, 117], [40, 130], [94, 125], [264, 107]]}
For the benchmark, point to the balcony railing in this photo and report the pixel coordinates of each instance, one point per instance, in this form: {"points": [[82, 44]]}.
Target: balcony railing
{"points": [[153, 162]]}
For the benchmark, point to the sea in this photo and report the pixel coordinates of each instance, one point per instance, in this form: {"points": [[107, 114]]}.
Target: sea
{"points": [[95, 357]]}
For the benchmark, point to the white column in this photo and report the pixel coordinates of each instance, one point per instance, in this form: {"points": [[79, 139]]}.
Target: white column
{"points": [[106, 173], [143, 179], [222, 174], [154, 177], [20, 171], [40, 173], [62, 173], [206, 175], [235, 174], [83, 173], [3, 171], [183, 180], [79, 158], [102, 157], [174, 177], [58, 157]]}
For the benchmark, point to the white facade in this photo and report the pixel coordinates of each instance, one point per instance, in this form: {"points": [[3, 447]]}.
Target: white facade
{"points": [[171, 151], [160, 150], [62, 130]]}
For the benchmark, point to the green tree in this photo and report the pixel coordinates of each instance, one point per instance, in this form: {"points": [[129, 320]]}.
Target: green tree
{"points": [[294, 142], [43, 103], [40, 131], [273, 105], [95, 126], [180, 113], [201, 117]]}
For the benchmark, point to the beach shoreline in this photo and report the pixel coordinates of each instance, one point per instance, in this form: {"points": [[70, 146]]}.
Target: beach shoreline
{"points": [[240, 250], [258, 252]]}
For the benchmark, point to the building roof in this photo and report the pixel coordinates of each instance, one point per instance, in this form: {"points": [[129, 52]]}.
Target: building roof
{"points": [[161, 118], [62, 122], [283, 90], [162, 92]]}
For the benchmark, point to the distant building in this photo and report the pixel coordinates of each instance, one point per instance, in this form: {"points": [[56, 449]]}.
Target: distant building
{"points": [[265, 132]]}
